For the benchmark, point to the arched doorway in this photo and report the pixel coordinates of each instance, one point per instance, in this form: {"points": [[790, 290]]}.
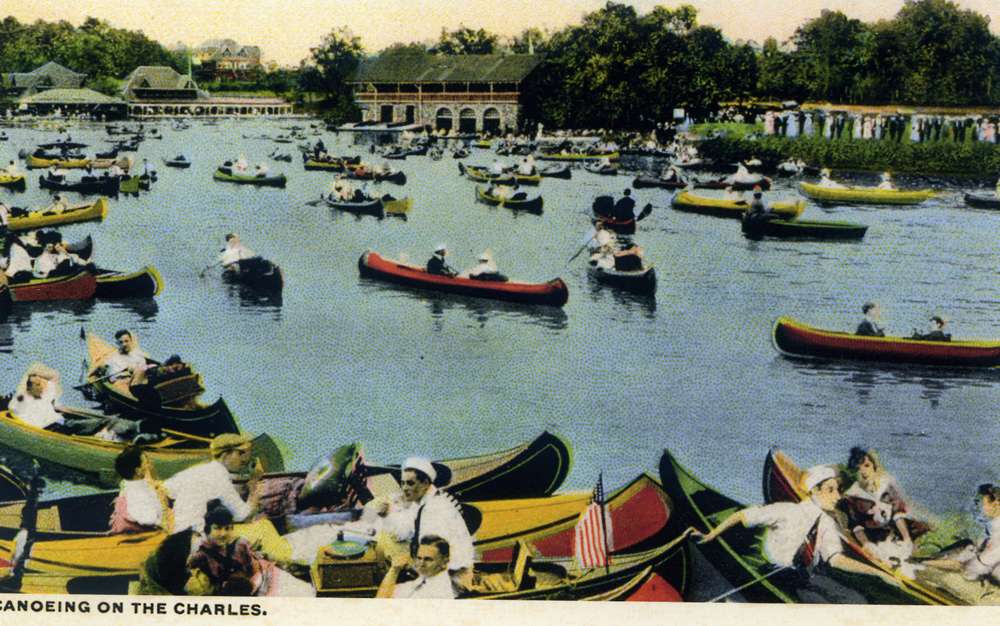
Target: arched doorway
{"points": [[491, 121], [467, 121], [443, 119]]}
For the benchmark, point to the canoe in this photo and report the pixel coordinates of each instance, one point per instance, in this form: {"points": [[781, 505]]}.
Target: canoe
{"points": [[803, 229], [95, 211], [34, 162], [979, 200], [736, 555], [578, 156], [332, 166], [595, 168], [483, 175], [622, 227], [551, 293], [532, 205], [133, 184], [378, 207], [639, 281], [691, 203], [639, 512], [73, 534], [99, 185], [795, 339], [397, 177], [180, 411], [79, 286], [17, 182], [257, 273], [864, 195], [94, 458], [225, 176], [782, 483], [556, 170], [643, 180], [144, 283], [763, 182], [174, 163], [11, 486]]}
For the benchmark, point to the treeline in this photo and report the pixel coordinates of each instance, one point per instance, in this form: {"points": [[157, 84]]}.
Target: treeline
{"points": [[620, 69], [95, 48]]}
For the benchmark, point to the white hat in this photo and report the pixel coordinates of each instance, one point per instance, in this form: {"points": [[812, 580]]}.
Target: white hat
{"points": [[817, 475], [441, 248], [421, 464]]}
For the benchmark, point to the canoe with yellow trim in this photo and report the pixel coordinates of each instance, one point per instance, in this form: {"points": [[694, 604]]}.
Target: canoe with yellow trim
{"points": [[865, 195], [690, 203], [531, 205], [34, 162], [94, 458], [95, 211], [18, 182], [578, 156], [79, 286], [783, 483], [795, 339], [483, 175], [144, 283]]}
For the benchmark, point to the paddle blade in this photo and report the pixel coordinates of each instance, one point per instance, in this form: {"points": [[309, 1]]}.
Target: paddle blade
{"points": [[646, 210]]}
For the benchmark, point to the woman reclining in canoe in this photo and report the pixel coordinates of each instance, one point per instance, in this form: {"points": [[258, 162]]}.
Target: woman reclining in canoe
{"points": [[804, 536], [936, 332], [877, 510], [485, 269]]}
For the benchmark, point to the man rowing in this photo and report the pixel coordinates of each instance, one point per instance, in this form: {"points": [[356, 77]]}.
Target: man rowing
{"points": [[936, 332], [234, 252], [804, 536], [437, 264], [128, 359]]}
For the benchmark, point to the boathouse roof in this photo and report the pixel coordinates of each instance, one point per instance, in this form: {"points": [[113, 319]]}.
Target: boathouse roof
{"points": [[48, 76], [440, 68], [148, 81], [69, 96]]}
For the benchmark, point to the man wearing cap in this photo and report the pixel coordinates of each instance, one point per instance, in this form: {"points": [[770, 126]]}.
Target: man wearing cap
{"points": [[422, 511], [804, 536], [437, 264]]}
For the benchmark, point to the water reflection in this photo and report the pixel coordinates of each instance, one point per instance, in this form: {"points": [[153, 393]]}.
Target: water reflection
{"points": [[481, 310], [256, 301], [624, 300], [143, 308], [74, 310]]}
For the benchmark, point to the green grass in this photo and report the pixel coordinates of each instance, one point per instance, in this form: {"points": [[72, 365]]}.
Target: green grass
{"points": [[732, 129]]}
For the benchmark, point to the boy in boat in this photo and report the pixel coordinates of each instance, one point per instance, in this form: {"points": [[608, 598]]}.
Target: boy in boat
{"points": [[431, 565], [804, 536], [142, 502], [936, 332], [871, 326], [438, 265]]}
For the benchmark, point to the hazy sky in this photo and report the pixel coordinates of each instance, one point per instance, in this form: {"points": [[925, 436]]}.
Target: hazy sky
{"points": [[286, 30]]}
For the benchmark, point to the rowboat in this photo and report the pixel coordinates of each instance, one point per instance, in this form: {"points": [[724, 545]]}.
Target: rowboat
{"points": [[106, 186], [742, 185], [983, 200], [532, 205], [257, 273], [133, 184], [483, 175], [95, 211], [144, 283], [556, 170], [795, 339], [864, 195], [81, 285], [639, 281], [644, 180], [336, 165], [94, 458], [14, 181], [803, 229], [578, 156], [551, 293], [601, 170], [737, 554], [226, 175], [783, 483], [34, 162], [180, 410], [397, 177], [378, 207], [691, 203]]}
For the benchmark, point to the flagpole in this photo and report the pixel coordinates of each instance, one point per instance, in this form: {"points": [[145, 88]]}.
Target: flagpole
{"points": [[604, 524]]}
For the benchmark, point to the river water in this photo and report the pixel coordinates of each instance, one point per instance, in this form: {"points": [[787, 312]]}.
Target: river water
{"points": [[343, 359]]}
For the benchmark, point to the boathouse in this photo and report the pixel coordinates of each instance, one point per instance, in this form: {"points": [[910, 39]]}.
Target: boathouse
{"points": [[469, 93], [73, 102], [158, 91], [48, 76]]}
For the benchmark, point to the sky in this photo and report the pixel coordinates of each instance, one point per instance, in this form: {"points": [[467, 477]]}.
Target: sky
{"points": [[287, 29]]}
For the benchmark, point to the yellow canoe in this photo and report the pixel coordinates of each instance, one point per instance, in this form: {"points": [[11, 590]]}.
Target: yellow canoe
{"points": [[13, 181], [579, 156], [34, 162], [95, 211], [691, 203], [865, 195]]}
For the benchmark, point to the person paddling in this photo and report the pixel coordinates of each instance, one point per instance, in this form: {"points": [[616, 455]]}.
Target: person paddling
{"points": [[437, 264], [871, 326], [936, 332], [887, 183]]}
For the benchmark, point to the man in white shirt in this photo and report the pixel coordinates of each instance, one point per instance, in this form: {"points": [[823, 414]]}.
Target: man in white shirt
{"points": [[431, 563], [234, 251], [128, 359], [138, 506], [36, 396], [18, 260]]}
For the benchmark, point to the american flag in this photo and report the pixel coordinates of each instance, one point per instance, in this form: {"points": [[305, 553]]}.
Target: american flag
{"points": [[592, 536]]}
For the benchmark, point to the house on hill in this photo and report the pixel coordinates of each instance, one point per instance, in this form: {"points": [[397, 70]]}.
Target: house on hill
{"points": [[227, 56], [48, 76], [468, 93]]}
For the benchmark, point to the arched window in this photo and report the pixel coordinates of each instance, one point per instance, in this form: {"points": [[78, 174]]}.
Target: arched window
{"points": [[467, 121], [443, 119], [491, 121]]}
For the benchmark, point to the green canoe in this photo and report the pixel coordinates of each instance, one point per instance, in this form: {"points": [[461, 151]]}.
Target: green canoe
{"points": [[226, 175]]}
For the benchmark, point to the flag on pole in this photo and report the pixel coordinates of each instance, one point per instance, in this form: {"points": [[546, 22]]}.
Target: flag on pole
{"points": [[592, 535]]}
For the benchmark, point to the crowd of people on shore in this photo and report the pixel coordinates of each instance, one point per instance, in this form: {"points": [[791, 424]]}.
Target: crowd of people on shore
{"points": [[895, 127]]}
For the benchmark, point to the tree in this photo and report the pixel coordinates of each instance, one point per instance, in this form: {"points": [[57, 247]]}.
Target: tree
{"points": [[464, 40], [829, 48], [335, 61]]}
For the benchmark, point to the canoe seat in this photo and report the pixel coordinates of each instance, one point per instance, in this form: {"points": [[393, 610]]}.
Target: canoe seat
{"points": [[179, 390], [514, 579]]}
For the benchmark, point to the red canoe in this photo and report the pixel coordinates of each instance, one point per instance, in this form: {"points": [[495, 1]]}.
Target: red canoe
{"points": [[552, 293], [796, 339], [79, 286], [655, 589]]}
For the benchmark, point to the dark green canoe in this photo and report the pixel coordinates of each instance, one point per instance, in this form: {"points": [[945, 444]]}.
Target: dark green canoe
{"points": [[226, 175], [804, 229]]}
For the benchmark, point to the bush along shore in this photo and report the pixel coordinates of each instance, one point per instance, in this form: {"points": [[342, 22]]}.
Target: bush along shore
{"points": [[969, 159]]}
